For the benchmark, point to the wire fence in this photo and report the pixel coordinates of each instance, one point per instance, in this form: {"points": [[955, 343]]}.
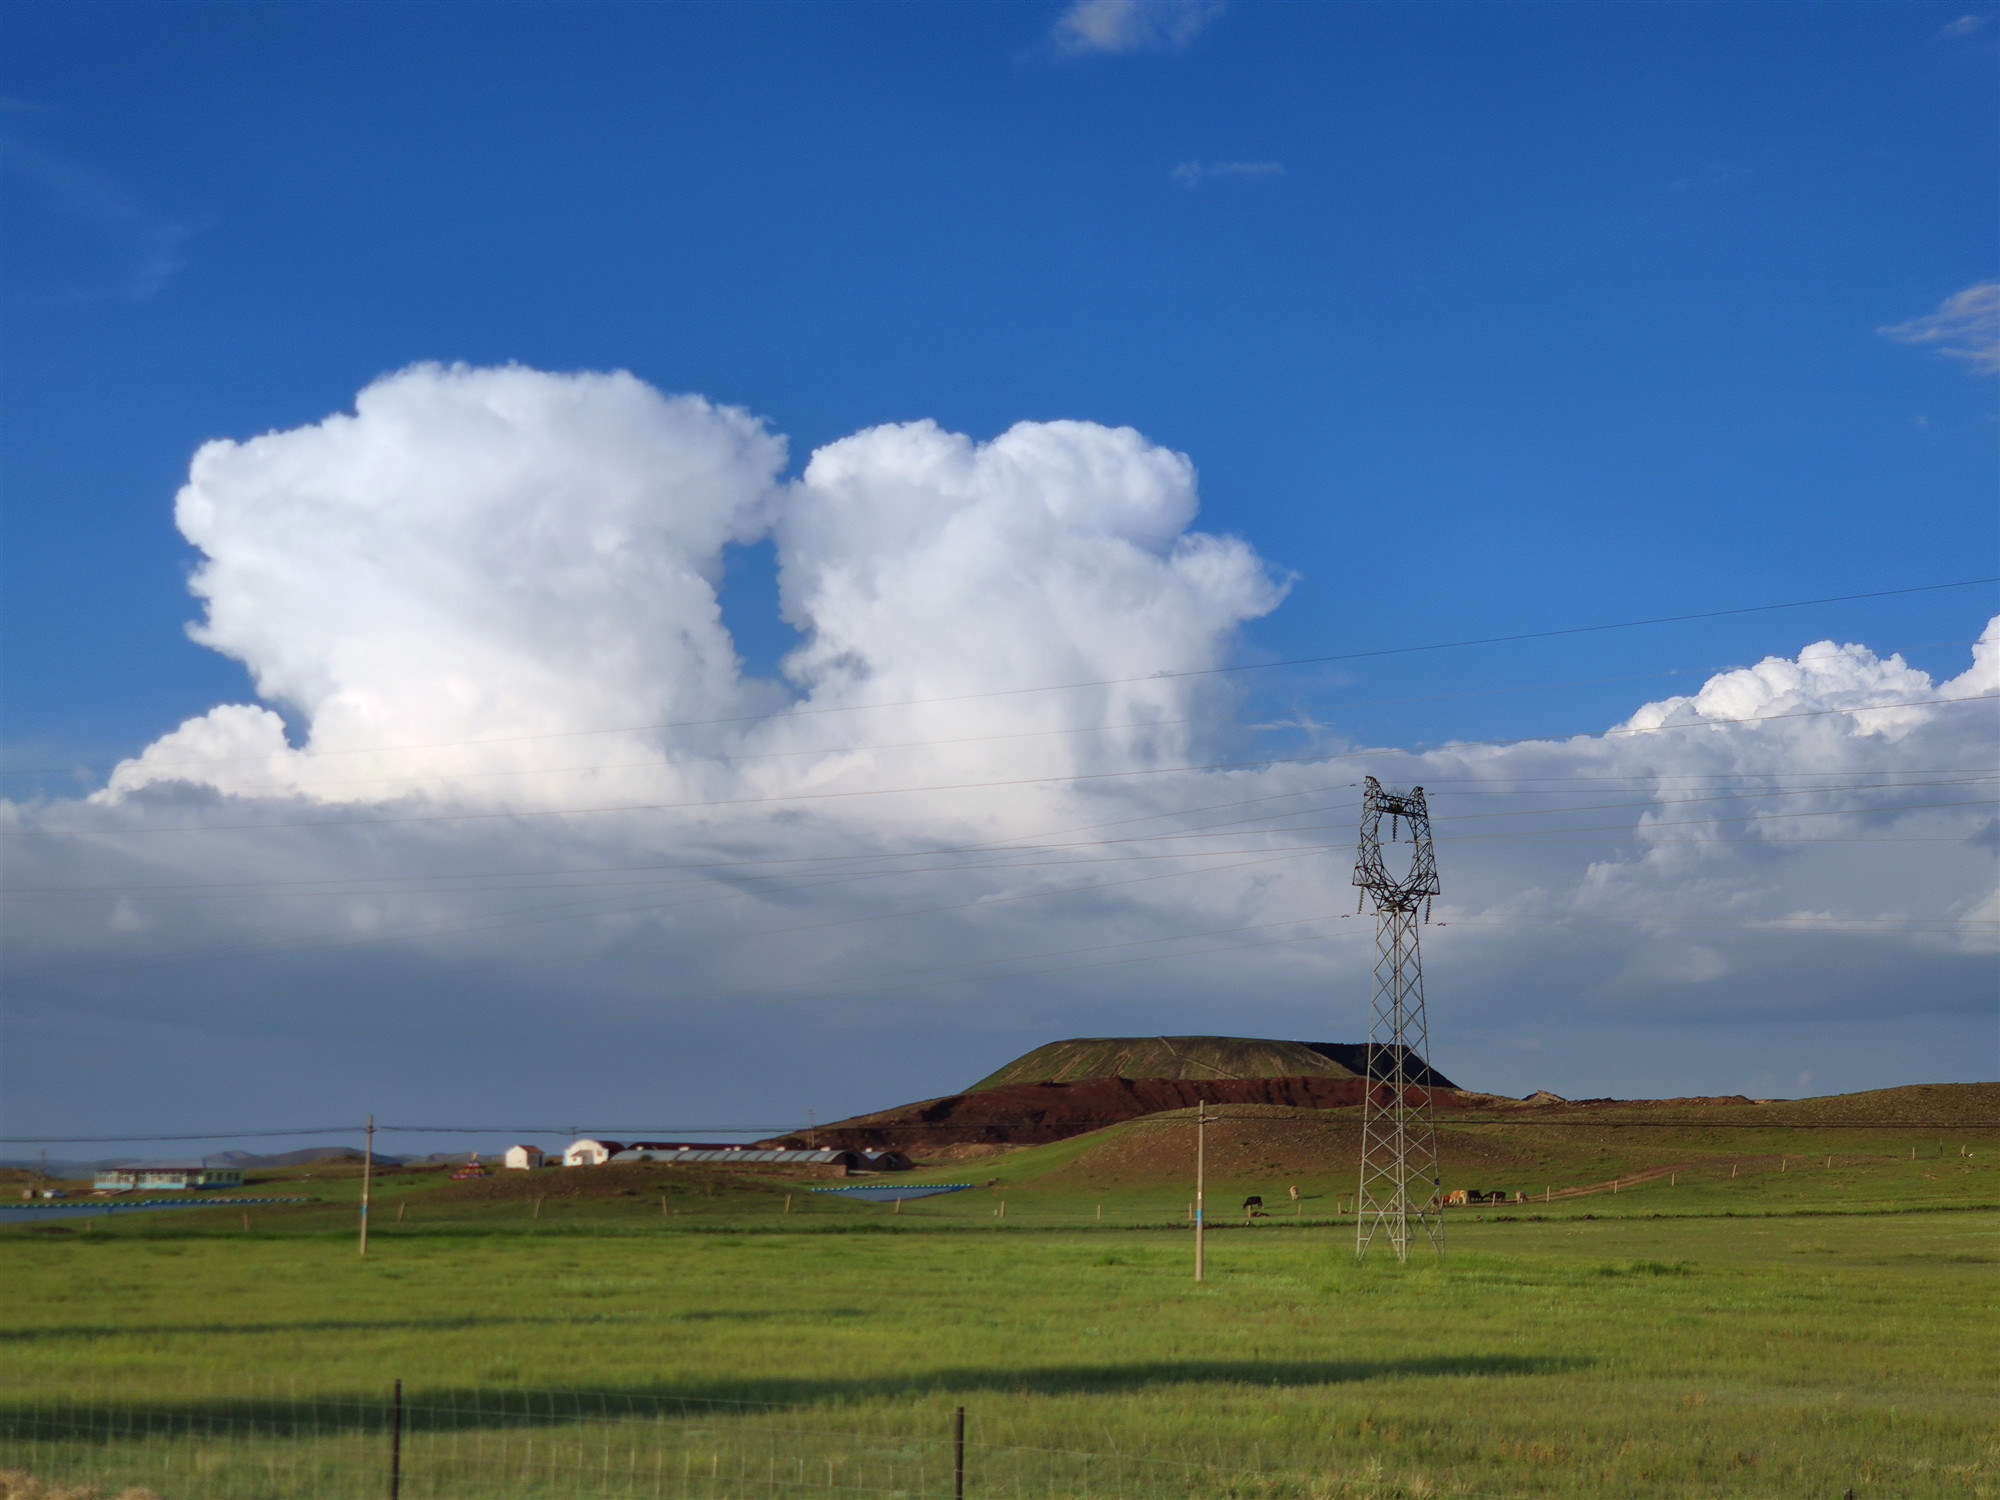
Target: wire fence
{"points": [[581, 1445]]}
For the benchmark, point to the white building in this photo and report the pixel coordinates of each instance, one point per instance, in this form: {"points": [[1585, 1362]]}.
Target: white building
{"points": [[590, 1153], [524, 1158]]}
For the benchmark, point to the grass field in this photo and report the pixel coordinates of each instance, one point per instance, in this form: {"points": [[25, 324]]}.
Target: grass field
{"points": [[1796, 1329]]}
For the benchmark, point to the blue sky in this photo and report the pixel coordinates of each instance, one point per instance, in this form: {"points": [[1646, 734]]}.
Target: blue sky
{"points": [[1473, 320]]}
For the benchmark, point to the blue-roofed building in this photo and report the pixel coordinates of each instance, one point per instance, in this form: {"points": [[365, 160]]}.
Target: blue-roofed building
{"points": [[173, 1177]]}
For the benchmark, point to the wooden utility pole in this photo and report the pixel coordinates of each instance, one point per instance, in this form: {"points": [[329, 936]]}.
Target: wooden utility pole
{"points": [[1200, 1183], [367, 1181]]}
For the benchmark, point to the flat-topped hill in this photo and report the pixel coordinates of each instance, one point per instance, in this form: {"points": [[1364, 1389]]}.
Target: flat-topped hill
{"points": [[1189, 1057], [1019, 1114]]}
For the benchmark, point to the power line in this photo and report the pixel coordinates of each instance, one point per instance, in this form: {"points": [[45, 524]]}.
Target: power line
{"points": [[778, 717], [770, 995], [214, 1135], [1001, 845], [1163, 676], [513, 920], [1072, 779], [1228, 828], [400, 885], [1473, 1115]]}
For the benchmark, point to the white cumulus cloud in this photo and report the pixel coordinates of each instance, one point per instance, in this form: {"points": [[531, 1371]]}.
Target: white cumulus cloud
{"points": [[1966, 326], [499, 587], [471, 559], [1132, 25], [1195, 173]]}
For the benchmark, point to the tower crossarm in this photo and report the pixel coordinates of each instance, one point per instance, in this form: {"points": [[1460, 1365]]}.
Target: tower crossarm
{"points": [[1421, 883]]}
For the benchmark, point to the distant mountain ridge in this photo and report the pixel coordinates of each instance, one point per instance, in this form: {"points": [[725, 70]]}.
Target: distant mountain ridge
{"points": [[1192, 1058]]}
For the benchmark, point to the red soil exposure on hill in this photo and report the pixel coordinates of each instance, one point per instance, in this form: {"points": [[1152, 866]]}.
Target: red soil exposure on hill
{"points": [[1033, 1114]]}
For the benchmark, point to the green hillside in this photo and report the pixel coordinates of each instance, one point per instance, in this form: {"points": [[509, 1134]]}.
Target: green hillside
{"points": [[1167, 1057]]}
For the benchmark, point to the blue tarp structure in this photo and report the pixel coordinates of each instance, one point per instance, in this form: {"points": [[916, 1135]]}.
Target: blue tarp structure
{"points": [[874, 1194]]}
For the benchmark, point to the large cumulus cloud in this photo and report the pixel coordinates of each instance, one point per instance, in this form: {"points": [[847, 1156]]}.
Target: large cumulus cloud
{"points": [[472, 559], [527, 776], [480, 564]]}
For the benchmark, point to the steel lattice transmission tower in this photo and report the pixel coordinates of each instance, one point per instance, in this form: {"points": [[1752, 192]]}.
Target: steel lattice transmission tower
{"points": [[1399, 1165]]}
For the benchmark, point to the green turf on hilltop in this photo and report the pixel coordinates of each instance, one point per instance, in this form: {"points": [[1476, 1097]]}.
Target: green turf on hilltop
{"points": [[1166, 1057]]}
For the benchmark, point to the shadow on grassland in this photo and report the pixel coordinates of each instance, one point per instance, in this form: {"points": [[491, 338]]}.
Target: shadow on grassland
{"points": [[469, 1409]]}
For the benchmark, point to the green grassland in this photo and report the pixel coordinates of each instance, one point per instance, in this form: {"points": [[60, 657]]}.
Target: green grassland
{"points": [[1794, 1329]]}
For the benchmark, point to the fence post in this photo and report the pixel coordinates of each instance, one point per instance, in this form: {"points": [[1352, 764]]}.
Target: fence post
{"points": [[396, 1447], [958, 1458]]}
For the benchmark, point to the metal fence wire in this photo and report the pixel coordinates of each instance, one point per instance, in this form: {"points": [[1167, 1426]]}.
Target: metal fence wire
{"points": [[581, 1445]]}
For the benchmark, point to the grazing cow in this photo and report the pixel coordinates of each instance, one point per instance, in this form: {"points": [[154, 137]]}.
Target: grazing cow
{"points": [[1253, 1206], [1456, 1198], [1295, 1195]]}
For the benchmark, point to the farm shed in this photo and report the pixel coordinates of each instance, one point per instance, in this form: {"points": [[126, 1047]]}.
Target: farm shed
{"points": [[524, 1158]]}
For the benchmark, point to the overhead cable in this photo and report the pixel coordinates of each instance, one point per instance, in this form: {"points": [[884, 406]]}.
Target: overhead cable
{"points": [[1071, 779]]}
